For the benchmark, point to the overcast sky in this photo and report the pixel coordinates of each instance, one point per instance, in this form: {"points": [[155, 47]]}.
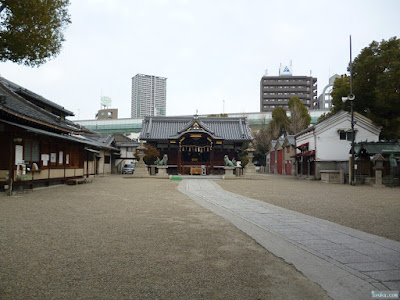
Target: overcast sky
{"points": [[210, 50]]}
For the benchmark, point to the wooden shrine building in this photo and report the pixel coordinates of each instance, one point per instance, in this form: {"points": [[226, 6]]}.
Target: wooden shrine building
{"points": [[39, 146], [196, 142]]}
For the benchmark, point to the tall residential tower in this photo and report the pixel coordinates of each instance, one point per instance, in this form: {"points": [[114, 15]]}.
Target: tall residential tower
{"points": [[277, 90], [149, 95]]}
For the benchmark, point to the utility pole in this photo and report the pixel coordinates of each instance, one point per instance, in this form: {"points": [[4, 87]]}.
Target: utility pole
{"points": [[352, 118], [351, 98]]}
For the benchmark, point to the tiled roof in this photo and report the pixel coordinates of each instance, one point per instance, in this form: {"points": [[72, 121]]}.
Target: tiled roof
{"points": [[13, 106], [100, 140], [164, 128], [122, 140], [290, 139], [25, 92], [118, 137], [373, 148], [339, 114], [72, 138]]}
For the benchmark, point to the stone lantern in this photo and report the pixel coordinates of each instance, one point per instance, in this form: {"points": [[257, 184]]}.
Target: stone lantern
{"points": [[250, 169], [378, 161], [141, 168]]}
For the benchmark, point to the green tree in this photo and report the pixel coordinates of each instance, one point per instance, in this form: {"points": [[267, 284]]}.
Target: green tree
{"points": [[341, 88], [299, 116], [280, 120], [31, 31], [376, 85], [150, 155]]}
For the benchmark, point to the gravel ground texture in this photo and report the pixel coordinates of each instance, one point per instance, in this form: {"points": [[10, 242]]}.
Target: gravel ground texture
{"points": [[369, 209], [119, 238]]}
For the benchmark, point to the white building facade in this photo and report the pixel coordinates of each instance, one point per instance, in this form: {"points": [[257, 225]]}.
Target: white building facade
{"points": [[149, 96], [327, 144]]}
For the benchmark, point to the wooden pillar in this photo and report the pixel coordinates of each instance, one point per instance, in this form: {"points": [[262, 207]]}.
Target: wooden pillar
{"points": [[49, 165], [211, 160], [180, 159], [87, 163], [11, 164]]}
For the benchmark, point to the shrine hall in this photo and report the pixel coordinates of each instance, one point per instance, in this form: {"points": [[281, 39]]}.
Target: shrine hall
{"points": [[194, 142]]}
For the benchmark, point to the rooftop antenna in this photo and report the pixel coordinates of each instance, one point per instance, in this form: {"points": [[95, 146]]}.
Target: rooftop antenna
{"points": [[223, 106]]}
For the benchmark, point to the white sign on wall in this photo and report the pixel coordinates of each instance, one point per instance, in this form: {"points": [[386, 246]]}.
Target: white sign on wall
{"points": [[45, 159], [19, 150]]}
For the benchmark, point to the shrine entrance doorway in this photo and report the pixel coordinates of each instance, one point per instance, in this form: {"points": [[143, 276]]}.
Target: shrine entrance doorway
{"points": [[195, 154]]}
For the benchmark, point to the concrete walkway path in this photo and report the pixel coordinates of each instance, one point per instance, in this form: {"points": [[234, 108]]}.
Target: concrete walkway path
{"points": [[347, 263]]}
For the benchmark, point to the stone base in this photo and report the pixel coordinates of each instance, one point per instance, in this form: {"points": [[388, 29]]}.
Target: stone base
{"points": [[162, 170], [378, 185], [332, 176], [229, 172], [141, 170], [250, 170]]}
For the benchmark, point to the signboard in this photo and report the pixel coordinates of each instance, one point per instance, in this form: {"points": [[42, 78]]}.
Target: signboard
{"points": [[285, 70], [19, 150]]}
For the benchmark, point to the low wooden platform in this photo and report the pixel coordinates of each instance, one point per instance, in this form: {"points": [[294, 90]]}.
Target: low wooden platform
{"points": [[196, 171]]}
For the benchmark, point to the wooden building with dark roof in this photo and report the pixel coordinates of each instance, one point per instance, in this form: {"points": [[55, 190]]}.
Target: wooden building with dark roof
{"points": [[193, 141], [38, 145]]}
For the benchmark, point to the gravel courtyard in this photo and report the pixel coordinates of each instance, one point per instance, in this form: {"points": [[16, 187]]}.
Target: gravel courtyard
{"points": [[123, 238], [372, 210]]}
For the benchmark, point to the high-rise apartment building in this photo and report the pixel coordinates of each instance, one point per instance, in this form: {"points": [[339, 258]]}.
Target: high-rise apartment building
{"points": [[277, 90], [325, 99], [149, 95]]}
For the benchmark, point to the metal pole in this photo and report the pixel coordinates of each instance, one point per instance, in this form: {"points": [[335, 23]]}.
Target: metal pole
{"points": [[352, 143], [352, 120], [351, 71]]}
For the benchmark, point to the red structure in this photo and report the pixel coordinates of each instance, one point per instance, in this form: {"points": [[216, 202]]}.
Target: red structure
{"points": [[280, 161]]}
